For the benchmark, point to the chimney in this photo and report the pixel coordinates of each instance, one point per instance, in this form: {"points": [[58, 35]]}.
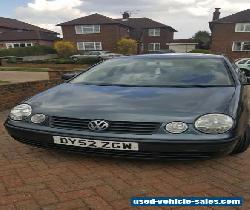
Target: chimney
{"points": [[125, 16], [216, 14]]}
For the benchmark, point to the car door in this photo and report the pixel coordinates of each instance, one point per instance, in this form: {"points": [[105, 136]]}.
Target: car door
{"points": [[248, 66]]}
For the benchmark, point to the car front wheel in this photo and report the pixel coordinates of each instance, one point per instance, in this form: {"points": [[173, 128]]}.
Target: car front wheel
{"points": [[242, 145]]}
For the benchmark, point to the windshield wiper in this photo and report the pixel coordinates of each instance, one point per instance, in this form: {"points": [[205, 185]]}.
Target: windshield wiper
{"points": [[170, 86], [108, 84]]}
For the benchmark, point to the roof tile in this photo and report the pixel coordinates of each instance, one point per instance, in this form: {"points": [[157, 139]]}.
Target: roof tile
{"points": [[90, 19], [243, 16], [17, 35], [137, 23], [16, 24]]}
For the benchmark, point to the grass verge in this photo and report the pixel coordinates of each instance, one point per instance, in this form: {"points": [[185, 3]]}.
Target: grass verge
{"points": [[28, 69], [3, 82]]}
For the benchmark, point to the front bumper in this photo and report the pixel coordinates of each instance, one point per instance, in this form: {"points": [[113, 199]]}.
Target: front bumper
{"points": [[148, 148]]}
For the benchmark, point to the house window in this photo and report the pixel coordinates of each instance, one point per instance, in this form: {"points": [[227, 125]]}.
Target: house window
{"points": [[17, 45], [154, 46], [241, 46], [242, 27], [154, 32], [87, 29], [89, 46]]}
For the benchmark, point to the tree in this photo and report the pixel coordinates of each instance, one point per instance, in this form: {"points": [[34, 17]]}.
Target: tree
{"points": [[65, 48], [127, 46], [203, 38]]}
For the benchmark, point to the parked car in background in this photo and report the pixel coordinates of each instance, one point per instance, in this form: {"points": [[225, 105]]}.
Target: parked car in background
{"points": [[142, 106], [105, 55], [244, 64], [161, 51]]}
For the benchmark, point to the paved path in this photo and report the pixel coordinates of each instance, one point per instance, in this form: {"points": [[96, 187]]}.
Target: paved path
{"points": [[32, 178], [18, 76]]}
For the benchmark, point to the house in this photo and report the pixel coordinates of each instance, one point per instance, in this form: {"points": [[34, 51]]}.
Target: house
{"points": [[15, 33], [231, 34], [182, 45], [98, 32]]}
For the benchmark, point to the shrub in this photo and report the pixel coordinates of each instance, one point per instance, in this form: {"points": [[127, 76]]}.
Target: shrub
{"points": [[90, 61], [200, 51], [127, 46], [65, 48], [27, 51], [203, 38], [62, 61], [53, 61]]}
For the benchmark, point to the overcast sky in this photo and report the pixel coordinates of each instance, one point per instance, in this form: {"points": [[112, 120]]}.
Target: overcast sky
{"points": [[186, 16]]}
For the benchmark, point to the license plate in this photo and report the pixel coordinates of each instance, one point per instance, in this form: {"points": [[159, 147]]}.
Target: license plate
{"points": [[79, 142]]}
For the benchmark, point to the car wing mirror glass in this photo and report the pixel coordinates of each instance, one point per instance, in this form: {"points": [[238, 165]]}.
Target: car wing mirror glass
{"points": [[68, 76]]}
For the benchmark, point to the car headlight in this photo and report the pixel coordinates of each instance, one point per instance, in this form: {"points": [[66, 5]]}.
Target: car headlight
{"points": [[214, 123], [176, 127], [20, 111]]}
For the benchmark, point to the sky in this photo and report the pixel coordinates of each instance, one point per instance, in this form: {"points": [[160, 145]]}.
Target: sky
{"points": [[186, 16]]}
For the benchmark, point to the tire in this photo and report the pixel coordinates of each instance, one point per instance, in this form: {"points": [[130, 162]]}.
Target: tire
{"points": [[242, 145]]}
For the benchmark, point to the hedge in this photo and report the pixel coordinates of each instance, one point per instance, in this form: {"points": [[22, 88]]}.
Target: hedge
{"points": [[200, 51], [89, 61], [28, 51]]}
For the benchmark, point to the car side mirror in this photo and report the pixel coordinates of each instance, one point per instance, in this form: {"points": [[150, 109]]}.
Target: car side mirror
{"points": [[68, 76]]}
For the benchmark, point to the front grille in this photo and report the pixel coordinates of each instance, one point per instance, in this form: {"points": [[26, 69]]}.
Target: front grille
{"points": [[114, 126]]}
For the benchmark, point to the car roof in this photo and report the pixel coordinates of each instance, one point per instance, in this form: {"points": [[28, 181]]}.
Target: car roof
{"points": [[178, 55], [240, 59]]}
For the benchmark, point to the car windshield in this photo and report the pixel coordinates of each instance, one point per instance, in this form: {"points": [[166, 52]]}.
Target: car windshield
{"points": [[138, 71], [243, 61]]}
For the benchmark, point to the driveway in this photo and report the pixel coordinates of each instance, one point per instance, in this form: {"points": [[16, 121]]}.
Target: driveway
{"points": [[21, 76], [33, 178]]}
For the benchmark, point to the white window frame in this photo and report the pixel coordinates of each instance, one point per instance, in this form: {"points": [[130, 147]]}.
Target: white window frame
{"points": [[87, 29], [244, 26], [81, 46], [11, 44], [154, 46], [241, 48], [154, 32]]}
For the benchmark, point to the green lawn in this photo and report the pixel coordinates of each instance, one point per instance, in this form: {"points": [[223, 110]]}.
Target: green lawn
{"points": [[3, 82], [29, 69]]}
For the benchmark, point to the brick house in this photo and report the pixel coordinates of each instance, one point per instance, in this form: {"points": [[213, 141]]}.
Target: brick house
{"points": [[14, 33], [98, 32], [231, 34]]}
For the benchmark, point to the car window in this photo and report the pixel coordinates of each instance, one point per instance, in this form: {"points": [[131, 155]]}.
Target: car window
{"points": [[248, 63], [94, 53], [242, 61], [158, 72]]}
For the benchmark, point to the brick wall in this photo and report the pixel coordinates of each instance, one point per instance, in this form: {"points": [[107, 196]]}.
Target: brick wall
{"points": [[109, 36], [165, 37], [11, 94], [223, 36]]}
